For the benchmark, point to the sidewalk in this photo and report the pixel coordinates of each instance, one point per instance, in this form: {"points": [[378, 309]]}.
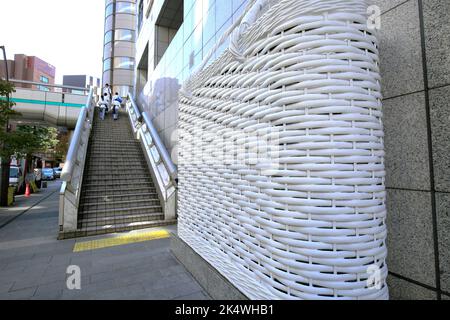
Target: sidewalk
{"points": [[33, 263], [22, 204]]}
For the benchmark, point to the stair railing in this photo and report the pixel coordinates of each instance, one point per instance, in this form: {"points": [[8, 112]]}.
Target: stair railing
{"points": [[72, 173], [162, 168]]}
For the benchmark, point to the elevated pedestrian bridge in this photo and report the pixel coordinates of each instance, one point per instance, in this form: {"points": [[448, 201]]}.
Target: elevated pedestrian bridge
{"points": [[50, 107]]}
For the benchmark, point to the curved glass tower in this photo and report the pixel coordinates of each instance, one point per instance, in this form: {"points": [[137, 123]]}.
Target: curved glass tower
{"points": [[119, 45]]}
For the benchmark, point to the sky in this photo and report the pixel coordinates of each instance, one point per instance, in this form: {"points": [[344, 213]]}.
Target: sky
{"points": [[68, 34]]}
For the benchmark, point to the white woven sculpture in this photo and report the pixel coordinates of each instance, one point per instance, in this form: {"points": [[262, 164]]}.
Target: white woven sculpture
{"points": [[311, 224]]}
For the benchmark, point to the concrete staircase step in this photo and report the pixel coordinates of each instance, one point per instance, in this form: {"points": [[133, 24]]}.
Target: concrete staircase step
{"points": [[124, 204], [100, 148], [116, 174], [117, 141], [94, 191], [117, 185], [116, 180], [104, 221], [120, 211], [120, 197]]}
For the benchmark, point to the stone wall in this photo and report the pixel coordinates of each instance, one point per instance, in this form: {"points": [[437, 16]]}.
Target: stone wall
{"points": [[415, 65]]}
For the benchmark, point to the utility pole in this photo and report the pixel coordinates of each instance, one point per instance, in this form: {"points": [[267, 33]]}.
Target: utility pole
{"points": [[4, 178]]}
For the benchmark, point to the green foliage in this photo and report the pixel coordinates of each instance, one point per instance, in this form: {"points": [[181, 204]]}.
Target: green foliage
{"points": [[8, 140], [26, 139], [62, 147], [6, 111], [36, 139]]}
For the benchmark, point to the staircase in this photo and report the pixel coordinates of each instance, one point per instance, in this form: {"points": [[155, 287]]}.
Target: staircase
{"points": [[117, 193]]}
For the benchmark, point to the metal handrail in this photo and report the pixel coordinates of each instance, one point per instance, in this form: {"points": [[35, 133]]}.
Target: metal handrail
{"points": [[135, 108], [66, 174], [167, 160], [164, 154], [49, 85]]}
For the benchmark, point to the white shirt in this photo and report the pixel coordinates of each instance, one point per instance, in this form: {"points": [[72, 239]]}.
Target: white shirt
{"points": [[115, 102], [107, 90]]}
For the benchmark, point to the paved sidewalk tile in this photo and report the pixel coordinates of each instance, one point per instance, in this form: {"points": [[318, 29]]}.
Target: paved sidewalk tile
{"points": [[33, 263]]}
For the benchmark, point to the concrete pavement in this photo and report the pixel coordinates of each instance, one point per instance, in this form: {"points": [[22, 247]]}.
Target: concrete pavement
{"points": [[33, 263]]}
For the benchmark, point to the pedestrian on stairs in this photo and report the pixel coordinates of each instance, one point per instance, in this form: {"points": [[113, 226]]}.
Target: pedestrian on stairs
{"points": [[103, 104], [117, 101], [107, 91]]}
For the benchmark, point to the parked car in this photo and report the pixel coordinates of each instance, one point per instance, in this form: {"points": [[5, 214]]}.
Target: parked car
{"points": [[57, 172], [17, 179], [48, 174]]}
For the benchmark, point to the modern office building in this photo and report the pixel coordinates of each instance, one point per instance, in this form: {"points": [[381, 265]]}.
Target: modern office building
{"points": [[119, 45], [30, 68], [81, 81], [173, 37]]}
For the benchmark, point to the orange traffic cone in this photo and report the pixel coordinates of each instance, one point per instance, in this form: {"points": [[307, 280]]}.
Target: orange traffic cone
{"points": [[27, 190]]}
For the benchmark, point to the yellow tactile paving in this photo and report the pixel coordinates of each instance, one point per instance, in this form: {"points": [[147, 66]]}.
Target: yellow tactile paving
{"points": [[120, 240]]}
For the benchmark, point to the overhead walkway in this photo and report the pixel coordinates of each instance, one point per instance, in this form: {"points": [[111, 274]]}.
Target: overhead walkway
{"points": [[54, 108], [118, 176]]}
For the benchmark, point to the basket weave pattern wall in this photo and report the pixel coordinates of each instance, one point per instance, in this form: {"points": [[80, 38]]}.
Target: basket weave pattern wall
{"points": [[310, 227]]}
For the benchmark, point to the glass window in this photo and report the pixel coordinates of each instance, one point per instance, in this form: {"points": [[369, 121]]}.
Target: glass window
{"points": [[124, 35], [107, 64], [44, 79], [108, 36], [123, 63], [122, 90], [42, 88], [107, 51], [140, 15], [109, 9], [125, 7], [106, 76], [109, 23]]}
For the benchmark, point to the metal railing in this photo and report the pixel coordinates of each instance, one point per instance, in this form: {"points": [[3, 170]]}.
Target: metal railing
{"points": [[162, 168], [72, 174]]}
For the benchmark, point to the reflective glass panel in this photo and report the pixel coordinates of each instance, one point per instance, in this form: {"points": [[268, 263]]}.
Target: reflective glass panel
{"points": [[108, 36], [123, 63], [107, 64], [125, 7], [124, 35], [109, 9]]}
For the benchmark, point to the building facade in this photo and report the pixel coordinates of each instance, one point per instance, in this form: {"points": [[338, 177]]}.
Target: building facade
{"points": [[119, 45], [30, 68], [173, 38], [81, 81], [415, 68]]}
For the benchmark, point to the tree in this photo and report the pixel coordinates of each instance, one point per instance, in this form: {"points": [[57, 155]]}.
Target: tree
{"points": [[35, 139], [8, 140], [62, 147], [22, 142]]}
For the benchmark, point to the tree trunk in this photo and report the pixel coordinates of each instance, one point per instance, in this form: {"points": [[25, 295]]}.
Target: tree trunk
{"points": [[4, 182]]}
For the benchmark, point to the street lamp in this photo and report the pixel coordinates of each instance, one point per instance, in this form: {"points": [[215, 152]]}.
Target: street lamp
{"points": [[6, 62], [4, 179]]}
